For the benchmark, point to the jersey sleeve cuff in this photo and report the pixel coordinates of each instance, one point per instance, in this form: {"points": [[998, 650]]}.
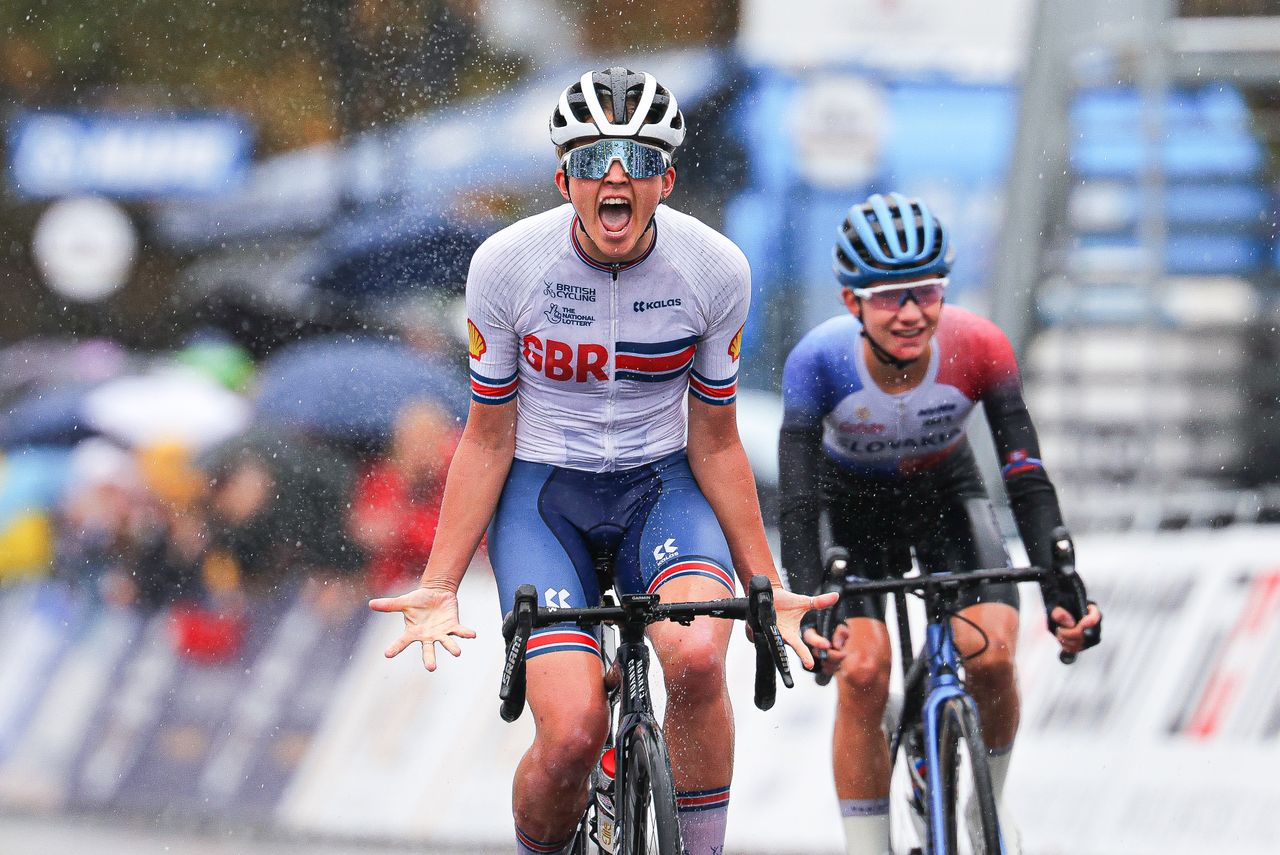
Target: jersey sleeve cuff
{"points": [[486, 390], [718, 392]]}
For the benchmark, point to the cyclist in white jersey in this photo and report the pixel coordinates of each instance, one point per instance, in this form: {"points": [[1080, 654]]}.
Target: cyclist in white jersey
{"points": [[592, 327]]}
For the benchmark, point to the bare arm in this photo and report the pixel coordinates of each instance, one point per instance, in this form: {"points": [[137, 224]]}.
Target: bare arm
{"points": [[720, 467], [471, 493], [719, 464]]}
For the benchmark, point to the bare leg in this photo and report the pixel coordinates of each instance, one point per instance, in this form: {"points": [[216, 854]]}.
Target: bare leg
{"points": [[991, 677], [860, 753], [566, 695], [699, 717]]}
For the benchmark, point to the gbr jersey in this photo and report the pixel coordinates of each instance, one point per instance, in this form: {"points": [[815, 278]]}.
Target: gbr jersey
{"points": [[826, 385], [598, 357]]}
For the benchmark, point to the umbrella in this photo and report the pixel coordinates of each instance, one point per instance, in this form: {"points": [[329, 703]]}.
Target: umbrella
{"points": [[168, 404], [351, 388], [386, 252], [48, 416], [48, 362]]}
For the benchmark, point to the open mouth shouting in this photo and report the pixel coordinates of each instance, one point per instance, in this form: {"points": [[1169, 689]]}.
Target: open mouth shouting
{"points": [[615, 215]]}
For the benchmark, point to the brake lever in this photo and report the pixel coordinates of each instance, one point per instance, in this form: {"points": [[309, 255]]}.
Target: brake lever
{"points": [[1070, 590], [516, 629], [835, 564]]}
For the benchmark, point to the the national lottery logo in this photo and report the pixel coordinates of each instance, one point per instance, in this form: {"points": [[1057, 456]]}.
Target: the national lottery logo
{"points": [[566, 315]]}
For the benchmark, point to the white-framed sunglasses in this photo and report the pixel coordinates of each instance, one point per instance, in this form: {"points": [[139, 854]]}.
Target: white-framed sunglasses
{"points": [[894, 295], [593, 161]]}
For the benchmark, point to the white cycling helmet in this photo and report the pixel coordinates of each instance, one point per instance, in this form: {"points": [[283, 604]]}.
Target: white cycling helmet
{"points": [[642, 108]]}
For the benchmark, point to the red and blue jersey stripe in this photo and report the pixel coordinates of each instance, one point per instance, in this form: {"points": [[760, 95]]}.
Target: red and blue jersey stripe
{"points": [[561, 640], [1020, 462], [702, 800], [713, 391], [692, 567], [653, 362], [489, 391], [538, 845]]}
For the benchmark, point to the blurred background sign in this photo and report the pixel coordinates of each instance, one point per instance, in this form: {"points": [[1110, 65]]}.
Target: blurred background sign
{"points": [[967, 38], [126, 154], [84, 247]]}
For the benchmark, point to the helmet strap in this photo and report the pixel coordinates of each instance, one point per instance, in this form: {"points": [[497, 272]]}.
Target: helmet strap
{"points": [[884, 356]]}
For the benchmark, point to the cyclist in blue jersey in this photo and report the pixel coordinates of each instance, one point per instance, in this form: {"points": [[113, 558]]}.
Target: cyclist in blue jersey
{"points": [[592, 327], [874, 435]]}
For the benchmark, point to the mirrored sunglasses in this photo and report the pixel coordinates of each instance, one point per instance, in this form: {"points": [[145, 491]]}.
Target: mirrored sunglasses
{"points": [[925, 293], [593, 161]]}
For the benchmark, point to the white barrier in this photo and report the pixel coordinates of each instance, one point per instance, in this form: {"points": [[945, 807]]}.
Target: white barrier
{"points": [[1158, 741], [1139, 747]]}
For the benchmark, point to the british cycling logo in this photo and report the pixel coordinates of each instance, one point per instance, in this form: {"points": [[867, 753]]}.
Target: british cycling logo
{"points": [[561, 291], [642, 306], [566, 315]]}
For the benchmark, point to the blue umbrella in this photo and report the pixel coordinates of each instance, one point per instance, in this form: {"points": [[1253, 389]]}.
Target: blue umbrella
{"points": [[386, 252], [48, 416], [351, 389]]}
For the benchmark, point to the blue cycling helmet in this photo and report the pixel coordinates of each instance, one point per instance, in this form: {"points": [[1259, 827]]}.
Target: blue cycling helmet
{"points": [[883, 239]]}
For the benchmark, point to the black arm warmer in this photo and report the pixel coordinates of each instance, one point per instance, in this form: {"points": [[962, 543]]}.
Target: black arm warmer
{"points": [[799, 501], [1031, 494]]}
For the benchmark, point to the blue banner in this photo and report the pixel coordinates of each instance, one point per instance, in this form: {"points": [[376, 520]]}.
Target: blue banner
{"points": [[127, 155]]}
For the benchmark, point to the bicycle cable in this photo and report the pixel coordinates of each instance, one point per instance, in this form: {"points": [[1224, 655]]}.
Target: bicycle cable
{"points": [[986, 641]]}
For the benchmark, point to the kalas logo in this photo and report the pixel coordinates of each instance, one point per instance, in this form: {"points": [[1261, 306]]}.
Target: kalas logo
{"points": [[641, 305]]}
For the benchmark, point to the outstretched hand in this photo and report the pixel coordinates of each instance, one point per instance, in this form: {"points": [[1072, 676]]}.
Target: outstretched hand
{"points": [[430, 616], [791, 608]]}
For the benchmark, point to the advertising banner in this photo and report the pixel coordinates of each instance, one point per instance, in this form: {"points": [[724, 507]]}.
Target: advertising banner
{"points": [[126, 155], [1157, 741]]}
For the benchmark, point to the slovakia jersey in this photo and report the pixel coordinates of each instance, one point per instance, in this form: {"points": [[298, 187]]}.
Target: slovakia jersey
{"points": [[826, 385], [598, 357]]}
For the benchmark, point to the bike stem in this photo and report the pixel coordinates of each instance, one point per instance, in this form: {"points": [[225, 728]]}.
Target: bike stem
{"points": [[633, 657]]}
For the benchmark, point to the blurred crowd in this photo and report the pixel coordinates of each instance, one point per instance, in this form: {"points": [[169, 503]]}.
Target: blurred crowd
{"points": [[176, 482]]}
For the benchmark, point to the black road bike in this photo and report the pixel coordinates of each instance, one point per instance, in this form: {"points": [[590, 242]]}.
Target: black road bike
{"points": [[642, 790]]}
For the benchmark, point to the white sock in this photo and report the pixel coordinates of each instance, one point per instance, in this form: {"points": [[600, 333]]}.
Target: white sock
{"points": [[866, 826], [703, 815], [998, 763]]}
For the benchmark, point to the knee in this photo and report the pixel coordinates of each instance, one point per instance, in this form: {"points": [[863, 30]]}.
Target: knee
{"points": [[571, 743], [694, 670], [863, 680], [995, 665]]}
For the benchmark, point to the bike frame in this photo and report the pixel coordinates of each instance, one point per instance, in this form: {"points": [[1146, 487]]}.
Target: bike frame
{"points": [[631, 618], [635, 706], [944, 685]]}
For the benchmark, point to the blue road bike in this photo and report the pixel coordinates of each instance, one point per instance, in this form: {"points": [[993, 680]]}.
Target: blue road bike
{"points": [[938, 728]]}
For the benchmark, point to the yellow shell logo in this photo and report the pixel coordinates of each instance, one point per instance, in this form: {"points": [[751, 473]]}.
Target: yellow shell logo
{"points": [[476, 345], [735, 346], [862, 413]]}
